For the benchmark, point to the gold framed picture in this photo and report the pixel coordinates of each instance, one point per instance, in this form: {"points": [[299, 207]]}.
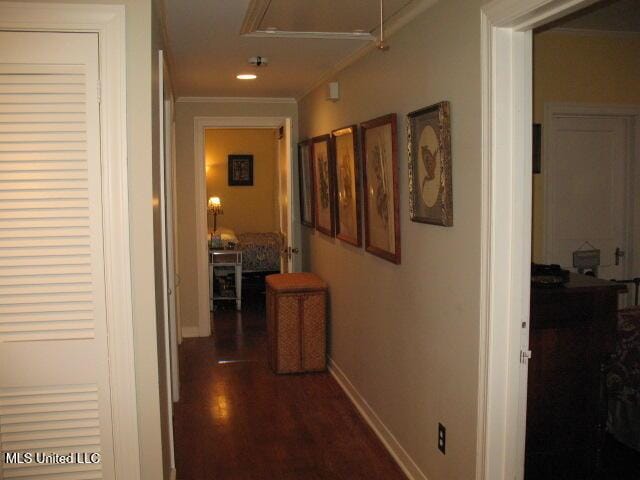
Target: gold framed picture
{"points": [[430, 173], [305, 176], [347, 188], [380, 182], [323, 183]]}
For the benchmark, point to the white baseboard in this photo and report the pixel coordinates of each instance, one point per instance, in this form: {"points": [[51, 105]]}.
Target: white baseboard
{"points": [[400, 455], [190, 331], [172, 474]]}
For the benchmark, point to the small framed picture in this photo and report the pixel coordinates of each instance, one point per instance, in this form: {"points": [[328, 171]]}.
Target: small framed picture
{"points": [[305, 176], [347, 188], [323, 171], [240, 170], [380, 182], [430, 182]]}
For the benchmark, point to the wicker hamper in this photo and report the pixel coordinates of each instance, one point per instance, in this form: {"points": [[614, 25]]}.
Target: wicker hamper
{"points": [[296, 322]]}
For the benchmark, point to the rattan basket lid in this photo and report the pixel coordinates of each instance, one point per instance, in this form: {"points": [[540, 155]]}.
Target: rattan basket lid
{"points": [[296, 282]]}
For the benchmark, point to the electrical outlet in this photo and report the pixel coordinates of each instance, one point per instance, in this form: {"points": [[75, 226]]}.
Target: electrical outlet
{"points": [[442, 438]]}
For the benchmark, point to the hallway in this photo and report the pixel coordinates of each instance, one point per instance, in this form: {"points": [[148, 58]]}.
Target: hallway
{"points": [[237, 420]]}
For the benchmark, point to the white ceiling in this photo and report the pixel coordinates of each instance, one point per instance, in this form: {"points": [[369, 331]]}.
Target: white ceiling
{"points": [[208, 51], [615, 16]]}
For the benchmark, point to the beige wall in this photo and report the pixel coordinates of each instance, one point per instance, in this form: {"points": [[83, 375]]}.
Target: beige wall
{"points": [[250, 208], [139, 146], [602, 69], [186, 112], [407, 336]]}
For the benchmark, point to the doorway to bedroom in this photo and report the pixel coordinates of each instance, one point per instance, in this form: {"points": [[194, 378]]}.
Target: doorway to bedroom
{"points": [[247, 214]]}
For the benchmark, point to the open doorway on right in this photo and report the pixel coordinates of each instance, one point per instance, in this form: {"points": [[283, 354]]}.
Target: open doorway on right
{"points": [[583, 405]]}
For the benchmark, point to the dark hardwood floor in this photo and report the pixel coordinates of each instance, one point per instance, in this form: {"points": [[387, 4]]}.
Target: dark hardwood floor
{"points": [[237, 420]]}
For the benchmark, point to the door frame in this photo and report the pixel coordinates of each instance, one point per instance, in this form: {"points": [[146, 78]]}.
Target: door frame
{"points": [[108, 22], [506, 97], [200, 124], [170, 339], [631, 113]]}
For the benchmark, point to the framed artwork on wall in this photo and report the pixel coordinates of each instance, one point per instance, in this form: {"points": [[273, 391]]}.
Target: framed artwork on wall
{"points": [[305, 176], [380, 182], [347, 188], [240, 170], [430, 175], [323, 184]]}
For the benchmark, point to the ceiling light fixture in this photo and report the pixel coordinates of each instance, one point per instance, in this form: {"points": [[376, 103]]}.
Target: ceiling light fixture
{"points": [[381, 45], [246, 76]]}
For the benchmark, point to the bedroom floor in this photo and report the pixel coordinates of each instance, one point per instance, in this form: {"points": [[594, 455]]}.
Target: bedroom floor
{"points": [[237, 420]]}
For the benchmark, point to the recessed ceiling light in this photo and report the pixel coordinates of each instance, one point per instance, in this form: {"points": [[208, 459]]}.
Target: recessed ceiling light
{"points": [[246, 76]]}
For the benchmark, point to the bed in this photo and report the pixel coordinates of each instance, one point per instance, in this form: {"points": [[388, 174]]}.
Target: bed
{"points": [[623, 380], [260, 251]]}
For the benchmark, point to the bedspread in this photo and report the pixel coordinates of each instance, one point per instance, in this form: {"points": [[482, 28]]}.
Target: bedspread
{"points": [[260, 251], [623, 380]]}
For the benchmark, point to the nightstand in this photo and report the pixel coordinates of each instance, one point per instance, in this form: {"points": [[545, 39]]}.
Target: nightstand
{"points": [[223, 262]]}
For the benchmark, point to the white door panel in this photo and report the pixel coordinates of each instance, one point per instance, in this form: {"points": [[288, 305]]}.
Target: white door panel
{"points": [[586, 189], [54, 382]]}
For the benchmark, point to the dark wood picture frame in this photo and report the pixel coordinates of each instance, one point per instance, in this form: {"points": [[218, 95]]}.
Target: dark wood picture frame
{"points": [[323, 186], [369, 186], [233, 179], [306, 193], [351, 176], [430, 171]]}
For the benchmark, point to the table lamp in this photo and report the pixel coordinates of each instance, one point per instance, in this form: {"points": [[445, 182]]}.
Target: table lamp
{"points": [[214, 206]]}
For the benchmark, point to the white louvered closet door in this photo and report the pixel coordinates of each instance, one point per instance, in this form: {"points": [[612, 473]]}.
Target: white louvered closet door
{"points": [[54, 384]]}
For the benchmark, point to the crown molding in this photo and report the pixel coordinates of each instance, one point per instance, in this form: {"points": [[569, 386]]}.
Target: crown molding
{"points": [[290, 100], [392, 25], [592, 32]]}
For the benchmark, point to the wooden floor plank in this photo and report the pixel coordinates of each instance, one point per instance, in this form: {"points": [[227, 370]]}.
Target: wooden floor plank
{"points": [[237, 420]]}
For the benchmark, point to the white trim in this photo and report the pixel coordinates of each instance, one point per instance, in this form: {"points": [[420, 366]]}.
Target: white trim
{"points": [[289, 100], [506, 96], [592, 32], [362, 36], [170, 360], [631, 113], [190, 331], [200, 124], [108, 21], [172, 474], [393, 446], [392, 25], [239, 122], [255, 13], [202, 252]]}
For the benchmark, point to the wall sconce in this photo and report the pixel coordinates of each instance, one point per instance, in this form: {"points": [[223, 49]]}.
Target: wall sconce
{"points": [[214, 206]]}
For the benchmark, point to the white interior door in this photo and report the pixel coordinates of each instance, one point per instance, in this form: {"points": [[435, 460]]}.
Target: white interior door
{"points": [[166, 196], [168, 150], [54, 382], [289, 223], [587, 190]]}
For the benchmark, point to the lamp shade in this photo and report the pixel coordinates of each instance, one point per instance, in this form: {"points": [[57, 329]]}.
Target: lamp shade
{"points": [[214, 205]]}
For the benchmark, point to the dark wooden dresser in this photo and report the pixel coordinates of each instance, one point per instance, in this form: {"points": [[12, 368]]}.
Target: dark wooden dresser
{"points": [[571, 337]]}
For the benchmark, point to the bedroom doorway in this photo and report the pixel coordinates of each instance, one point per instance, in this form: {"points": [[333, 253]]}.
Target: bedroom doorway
{"points": [[250, 197], [507, 67], [246, 213]]}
